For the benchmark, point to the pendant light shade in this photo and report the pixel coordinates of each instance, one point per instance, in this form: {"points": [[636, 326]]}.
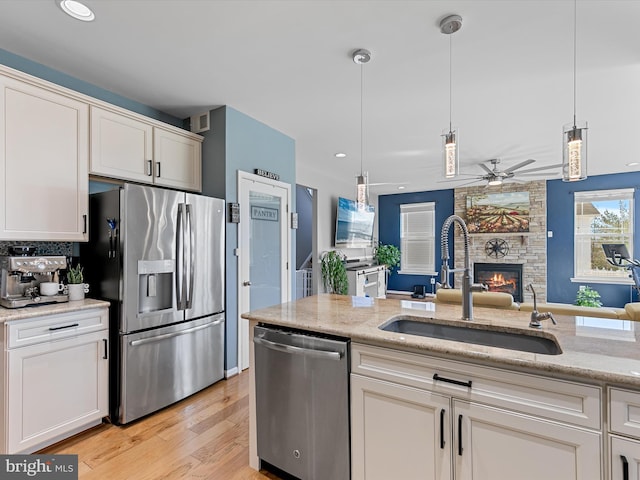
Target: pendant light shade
{"points": [[574, 136], [362, 193], [360, 57], [450, 147], [574, 152]]}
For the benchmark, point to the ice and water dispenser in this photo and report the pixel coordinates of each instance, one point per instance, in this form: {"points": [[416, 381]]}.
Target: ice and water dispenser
{"points": [[155, 285]]}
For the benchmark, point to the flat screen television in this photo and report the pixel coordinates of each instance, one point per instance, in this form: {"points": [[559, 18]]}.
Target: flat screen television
{"points": [[354, 227]]}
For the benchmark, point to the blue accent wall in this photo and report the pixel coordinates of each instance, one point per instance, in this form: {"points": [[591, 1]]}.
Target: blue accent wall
{"points": [[560, 220], [46, 73], [389, 229], [239, 142]]}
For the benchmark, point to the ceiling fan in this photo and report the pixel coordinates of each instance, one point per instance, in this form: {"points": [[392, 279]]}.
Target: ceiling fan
{"points": [[496, 176]]}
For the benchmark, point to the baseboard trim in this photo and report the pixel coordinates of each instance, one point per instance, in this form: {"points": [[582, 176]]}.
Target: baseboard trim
{"points": [[231, 372]]}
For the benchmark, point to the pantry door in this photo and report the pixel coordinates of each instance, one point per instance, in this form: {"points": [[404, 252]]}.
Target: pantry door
{"points": [[264, 250]]}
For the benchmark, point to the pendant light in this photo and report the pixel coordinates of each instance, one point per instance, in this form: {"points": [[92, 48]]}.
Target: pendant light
{"points": [[574, 136], [360, 57], [450, 25]]}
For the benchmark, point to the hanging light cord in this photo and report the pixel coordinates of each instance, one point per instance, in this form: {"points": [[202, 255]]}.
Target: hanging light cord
{"points": [[450, 82], [575, 14], [361, 117]]}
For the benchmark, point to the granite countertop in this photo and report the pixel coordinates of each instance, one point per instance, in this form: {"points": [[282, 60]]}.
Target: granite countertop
{"points": [[593, 349], [7, 314]]}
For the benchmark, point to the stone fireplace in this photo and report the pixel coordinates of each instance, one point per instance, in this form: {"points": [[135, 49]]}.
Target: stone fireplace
{"points": [[500, 277], [527, 249]]}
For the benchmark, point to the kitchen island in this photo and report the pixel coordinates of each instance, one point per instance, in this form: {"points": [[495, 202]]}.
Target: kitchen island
{"points": [[588, 395]]}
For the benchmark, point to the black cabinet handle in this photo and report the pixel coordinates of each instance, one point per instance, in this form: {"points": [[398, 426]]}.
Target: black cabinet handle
{"points": [[84, 224], [442, 442], [460, 435], [64, 326], [106, 345], [158, 169], [437, 377], [625, 468], [149, 168]]}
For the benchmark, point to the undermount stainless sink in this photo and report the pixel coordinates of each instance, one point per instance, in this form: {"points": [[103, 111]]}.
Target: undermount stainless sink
{"points": [[474, 333]]}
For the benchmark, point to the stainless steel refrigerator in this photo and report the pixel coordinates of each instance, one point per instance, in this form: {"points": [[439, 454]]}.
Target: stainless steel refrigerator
{"points": [[158, 256]]}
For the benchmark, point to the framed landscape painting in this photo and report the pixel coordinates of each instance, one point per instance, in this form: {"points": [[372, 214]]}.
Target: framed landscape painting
{"points": [[498, 212]]}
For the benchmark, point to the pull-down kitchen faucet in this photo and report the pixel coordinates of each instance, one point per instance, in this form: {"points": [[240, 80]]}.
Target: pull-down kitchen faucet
{"points": [[467, 279]]}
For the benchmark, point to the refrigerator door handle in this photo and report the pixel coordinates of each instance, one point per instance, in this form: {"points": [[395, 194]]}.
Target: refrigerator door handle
{"points": [[179, 260], [192, 254], [158, 338]]}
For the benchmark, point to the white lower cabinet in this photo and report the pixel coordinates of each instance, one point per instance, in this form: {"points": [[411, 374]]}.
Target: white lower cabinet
{"points": [[56, 386], [418, 417], [492, 443], [398, 432], [625, 458], [624, 420]]}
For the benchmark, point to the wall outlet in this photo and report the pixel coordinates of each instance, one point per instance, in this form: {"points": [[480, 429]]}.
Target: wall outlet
{"points": [[432, 280]]}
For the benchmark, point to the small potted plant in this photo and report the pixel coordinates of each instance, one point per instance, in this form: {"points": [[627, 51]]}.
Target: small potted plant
{"points": [[334, 273], [588, 297], [387, 255], [75, 283]]}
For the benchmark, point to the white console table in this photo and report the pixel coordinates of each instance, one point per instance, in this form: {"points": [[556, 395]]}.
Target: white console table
{"points": [[367, 281]]}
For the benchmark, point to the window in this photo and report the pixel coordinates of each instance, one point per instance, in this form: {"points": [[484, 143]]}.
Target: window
{"points": [[604, 216], [417, 238]]}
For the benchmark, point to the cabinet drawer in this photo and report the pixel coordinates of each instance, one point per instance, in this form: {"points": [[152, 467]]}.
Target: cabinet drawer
{"points": [[20, 333], [559, 400], [624, 412]]}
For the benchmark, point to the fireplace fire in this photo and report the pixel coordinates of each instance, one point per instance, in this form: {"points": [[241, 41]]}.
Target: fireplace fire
{"points": [[500, 277]]}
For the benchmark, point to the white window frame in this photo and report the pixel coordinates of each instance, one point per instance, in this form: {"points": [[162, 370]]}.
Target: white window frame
{"points": [[582, 232], [418, 212]]}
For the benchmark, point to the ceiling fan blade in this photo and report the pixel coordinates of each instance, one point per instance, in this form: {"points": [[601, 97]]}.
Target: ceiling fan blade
{"points": [[470, 183], [519, 165], [547, 167], [387, 183], [459, 179], [487, 169]]}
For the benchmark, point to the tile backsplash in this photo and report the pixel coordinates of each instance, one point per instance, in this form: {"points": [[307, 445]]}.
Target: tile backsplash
{"points": [[43, 248]]}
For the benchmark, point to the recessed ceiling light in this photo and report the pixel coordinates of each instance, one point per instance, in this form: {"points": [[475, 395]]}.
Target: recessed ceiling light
{"points": [[340, 155], [76, 10], [633, 164], [401, 187]]}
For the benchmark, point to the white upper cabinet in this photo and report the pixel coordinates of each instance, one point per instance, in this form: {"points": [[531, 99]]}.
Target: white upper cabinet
{"points": [[178, 160], [121, 146], [127, 147], [44, 152]]}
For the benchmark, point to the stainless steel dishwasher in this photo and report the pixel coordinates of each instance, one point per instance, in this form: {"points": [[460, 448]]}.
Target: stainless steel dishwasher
{"points": [[302, 403]]}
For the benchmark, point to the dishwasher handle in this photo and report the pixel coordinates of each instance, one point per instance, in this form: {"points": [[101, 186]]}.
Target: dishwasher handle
{"points": [[297, 350]]}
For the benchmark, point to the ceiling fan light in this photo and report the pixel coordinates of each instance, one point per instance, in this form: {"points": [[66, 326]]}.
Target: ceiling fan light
{"points": [[574, 153], [495, 182], [450, 149]]}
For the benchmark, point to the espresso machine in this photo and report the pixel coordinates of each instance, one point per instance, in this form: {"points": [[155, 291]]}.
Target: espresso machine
{"points": [[21, 273]]}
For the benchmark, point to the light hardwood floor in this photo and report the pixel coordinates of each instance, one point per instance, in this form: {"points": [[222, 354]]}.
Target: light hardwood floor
{"points": [[205, 436]]}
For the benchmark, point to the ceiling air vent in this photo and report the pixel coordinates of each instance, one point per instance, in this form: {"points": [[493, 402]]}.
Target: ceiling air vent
{"points": [[200, 123]]}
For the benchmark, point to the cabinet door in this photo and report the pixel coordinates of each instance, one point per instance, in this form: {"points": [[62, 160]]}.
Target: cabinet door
{"points": [[44, 141], [625, 459], [121, 147], [398, 432], [55, 388], [178, 160], [491, 443]]}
